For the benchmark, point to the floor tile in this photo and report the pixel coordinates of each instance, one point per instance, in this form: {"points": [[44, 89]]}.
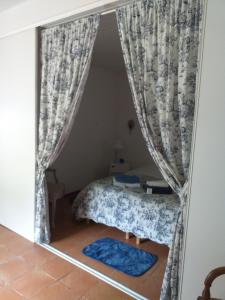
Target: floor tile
{"points": [[105, 291], [7, 294], [57, 291], [13, 269], [5, 254], [57, 267], [76, 253], [37, 255], [6, 237], [36, 274], [64, 244], [32, 283], [80, 282], [19, 245]]}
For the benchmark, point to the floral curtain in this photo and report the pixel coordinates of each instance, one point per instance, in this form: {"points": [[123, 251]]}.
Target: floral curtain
{"points": [[160, 42], [65, 60]]}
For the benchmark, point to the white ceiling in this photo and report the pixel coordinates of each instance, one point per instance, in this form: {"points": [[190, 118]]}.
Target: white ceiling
{"points": [[107, 50], [6, 4]]}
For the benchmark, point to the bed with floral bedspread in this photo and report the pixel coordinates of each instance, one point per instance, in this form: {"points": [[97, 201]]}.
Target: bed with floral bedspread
{"points": [[150, 216]]}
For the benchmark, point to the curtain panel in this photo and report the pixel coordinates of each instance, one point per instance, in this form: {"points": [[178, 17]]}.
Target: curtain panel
{"points": [[160, 44], [65, 60]]}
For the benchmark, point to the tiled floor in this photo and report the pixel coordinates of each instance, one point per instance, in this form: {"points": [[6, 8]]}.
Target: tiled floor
{"points": [[29, 272], [71, 237]]}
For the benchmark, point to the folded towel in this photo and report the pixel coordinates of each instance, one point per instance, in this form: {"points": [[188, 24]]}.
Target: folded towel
{"points": [[158, 190], [157, 183], [125, 185], [127, 179]]}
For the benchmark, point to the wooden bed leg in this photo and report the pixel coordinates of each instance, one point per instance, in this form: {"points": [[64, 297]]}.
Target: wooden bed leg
{"points": [[87, 221], [138, 241], [127, 235]]}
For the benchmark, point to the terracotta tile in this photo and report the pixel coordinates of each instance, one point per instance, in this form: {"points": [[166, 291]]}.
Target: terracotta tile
{"points": [[6, 236], [76, 253], [64, 243], [57, 267], [150, 287], [7, 294], [5, 254], [31, 283], [115, 234], [18, 245], [81, 236], [104, 291], [80, 281], [2, 284], [100, 267], [13, 269], [57, 291], [37, 255]]}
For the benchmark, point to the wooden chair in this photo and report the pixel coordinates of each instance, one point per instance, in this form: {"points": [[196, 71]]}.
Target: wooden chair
{"points": [[56, 191], [208, 282]]}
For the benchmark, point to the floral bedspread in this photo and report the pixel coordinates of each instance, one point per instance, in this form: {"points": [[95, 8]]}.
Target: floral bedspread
{"points": [[145, 215]]}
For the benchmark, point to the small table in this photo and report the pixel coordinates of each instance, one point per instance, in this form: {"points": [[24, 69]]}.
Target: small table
{"points": [[118, 168]]}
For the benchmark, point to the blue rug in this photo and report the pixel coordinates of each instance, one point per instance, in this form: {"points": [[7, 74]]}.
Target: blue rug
{"points": [[120, 256]]}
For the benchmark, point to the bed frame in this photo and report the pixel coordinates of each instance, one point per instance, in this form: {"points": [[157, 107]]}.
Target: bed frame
{"points": [[128, 235]]}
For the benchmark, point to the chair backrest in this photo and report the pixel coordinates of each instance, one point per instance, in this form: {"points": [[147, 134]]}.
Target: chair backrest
{"points": [[208, 282]]}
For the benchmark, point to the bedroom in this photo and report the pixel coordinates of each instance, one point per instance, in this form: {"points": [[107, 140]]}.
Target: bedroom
{"points": [[105, 132], [18, 112]]}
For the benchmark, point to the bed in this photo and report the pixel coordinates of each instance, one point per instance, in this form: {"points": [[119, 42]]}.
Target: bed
{"points": [[147, 216]]}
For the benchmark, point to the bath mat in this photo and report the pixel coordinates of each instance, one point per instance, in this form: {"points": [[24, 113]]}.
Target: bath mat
{"points": [[120, 256]]}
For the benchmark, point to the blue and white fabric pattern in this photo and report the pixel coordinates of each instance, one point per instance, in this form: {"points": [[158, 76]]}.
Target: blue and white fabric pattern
{"points": [[146, 216], [65, 59], [160, 43]]}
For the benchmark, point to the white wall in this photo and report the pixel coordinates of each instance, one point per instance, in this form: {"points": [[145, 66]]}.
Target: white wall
{"points": [[39, 12], [105, 110], [17, 132], [205, 247], [205, 239], [135, 149], [89, 150]]}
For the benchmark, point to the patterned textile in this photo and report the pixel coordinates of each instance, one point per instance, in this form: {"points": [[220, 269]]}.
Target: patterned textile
{"points": [[65, 57], [148, 216], [160, 42]]}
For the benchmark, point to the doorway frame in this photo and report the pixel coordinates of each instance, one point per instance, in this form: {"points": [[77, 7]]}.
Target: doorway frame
{"points": [[102, 10]]}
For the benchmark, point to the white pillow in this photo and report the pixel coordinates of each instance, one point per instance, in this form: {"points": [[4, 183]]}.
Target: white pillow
{"points": [[157, 183]]}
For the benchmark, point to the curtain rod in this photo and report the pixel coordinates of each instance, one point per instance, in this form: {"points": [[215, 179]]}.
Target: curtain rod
{"points": [[103, 10], [107, 12]]}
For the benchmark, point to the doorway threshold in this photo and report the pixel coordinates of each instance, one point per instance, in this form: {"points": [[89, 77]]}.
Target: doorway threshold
{"points": [[95, 273]]}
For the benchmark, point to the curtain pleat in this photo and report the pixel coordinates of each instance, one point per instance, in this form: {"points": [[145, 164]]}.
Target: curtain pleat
{"points": [[65, 60], [160, 44]]}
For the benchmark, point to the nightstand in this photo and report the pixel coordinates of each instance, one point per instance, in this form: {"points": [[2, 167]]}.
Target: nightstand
{"points": [[118, 168]]}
